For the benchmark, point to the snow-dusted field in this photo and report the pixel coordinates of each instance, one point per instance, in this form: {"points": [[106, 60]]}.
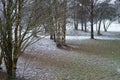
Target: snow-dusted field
{"points": [[43, 61], [46, 50], [46, 62], [115, 27]]}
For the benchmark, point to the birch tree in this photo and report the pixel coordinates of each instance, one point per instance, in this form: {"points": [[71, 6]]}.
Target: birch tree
{"points": [[59, 21]]}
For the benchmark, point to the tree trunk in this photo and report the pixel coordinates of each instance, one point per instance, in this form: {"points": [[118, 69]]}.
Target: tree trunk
{"points": [[51, 36], [9, 67], [75, 16], [91, 19], [98, 32], [1, 57], [81, 25], [85, 23], [15, 60], [104, 26], [14, 67], [76, 25], [9, 59]]}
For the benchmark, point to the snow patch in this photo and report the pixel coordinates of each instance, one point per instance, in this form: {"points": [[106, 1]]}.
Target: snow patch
{"points": [[118, 70], [88, 37], [43, 44]]}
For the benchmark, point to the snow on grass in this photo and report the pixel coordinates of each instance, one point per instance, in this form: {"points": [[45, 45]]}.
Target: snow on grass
{"points": [[118, 70], [43, 44], [32, 69], [88, 63], [106, 38], [48, 45], [40, 72], [70, 63], [114, 27], [88, 37], [112, 34]]}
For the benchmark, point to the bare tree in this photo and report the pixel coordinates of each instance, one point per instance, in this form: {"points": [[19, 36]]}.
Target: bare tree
{"points": [[20, 27], [106, 14]]}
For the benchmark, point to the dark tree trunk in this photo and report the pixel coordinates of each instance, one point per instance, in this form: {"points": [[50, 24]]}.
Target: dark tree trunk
{"points": [[85, 26], [54, 38], [76, 25], [9, 59], [104, 27], [51, 37], [91, 18], [82, 26]]}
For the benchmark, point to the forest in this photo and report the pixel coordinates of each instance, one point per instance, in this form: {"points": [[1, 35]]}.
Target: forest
{"points": [[59, 39]]}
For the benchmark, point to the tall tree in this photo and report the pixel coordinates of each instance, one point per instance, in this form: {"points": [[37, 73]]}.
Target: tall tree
{"points": [[92, 17], [20, 27], [59, 21], [76, 5], [84, 13]]}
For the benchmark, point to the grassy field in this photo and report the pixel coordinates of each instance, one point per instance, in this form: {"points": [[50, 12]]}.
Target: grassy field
{"points": [[82, 60]]}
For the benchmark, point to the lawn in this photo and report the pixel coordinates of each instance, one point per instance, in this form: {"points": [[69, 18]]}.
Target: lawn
{"points": [[82, 60]]}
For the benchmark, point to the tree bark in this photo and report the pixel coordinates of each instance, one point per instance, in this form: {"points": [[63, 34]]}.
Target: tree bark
{"points": [[76, 25], [85, 23], [82, 25], [91, 19], [1, 57]]}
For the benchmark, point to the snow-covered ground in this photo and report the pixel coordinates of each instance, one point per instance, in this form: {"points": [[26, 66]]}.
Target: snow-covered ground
{"points": [[88, 37], [47, 44], [112, 33], [114, 27], [46, 48]]}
